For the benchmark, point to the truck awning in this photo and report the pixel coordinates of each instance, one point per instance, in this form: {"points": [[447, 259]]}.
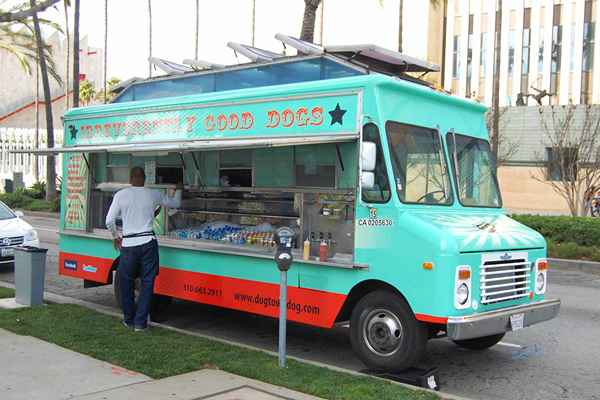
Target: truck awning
{"points": [[198, 145]]}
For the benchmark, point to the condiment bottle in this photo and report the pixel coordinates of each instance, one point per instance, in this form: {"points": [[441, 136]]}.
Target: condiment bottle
{"points": [[323, 251], [306, 249]]}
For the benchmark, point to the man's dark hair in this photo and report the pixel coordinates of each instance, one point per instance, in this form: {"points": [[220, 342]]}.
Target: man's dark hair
{"points": [[137, 171]]}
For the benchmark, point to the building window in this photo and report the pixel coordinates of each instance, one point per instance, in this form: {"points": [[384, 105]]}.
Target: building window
{"points": [[526, 41], [561, 164], [455, 57], [511, 51], [483, 55], [572, 49], [541, 52], [469, 57], [556, 50], [587, 63]]}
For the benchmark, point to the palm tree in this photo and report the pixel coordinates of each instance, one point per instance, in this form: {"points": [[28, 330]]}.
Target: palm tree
{"points": [[495, 134], [66, 5], [50, 162], [197, 29], [105, 44], [149, 37], [76, 55], [308, 21]]}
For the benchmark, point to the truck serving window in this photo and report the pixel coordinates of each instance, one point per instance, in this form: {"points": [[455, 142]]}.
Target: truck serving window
{"points": [[381, 191], [419, 164], [475, 175]]}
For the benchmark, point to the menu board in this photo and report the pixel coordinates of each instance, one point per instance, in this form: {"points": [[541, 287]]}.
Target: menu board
{"points": [[77, 191]]}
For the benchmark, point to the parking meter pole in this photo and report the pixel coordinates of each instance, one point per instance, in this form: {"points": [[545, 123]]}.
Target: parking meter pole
{"points": [[282, 317], [284, 238]]}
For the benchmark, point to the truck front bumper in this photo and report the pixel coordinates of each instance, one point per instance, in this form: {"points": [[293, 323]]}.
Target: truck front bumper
{"points": [[498, 321]]}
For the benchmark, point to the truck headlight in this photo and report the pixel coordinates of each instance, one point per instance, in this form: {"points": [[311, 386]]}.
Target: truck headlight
{"points": [[462, 294], [462, 287], [541, 276], [540, 282], [31, 235]]}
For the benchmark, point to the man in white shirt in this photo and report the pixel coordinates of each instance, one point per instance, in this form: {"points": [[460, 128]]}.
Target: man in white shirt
{"points": [[138, 245]]}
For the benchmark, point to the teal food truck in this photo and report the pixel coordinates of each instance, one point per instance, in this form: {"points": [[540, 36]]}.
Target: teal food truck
{"points": [[389, 185]]}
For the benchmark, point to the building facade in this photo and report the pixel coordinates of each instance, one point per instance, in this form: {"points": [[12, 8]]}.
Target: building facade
{"points": [[546, 45]]}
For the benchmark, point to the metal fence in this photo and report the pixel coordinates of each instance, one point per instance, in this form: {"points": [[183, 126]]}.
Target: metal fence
{"points": [[23, 163]]}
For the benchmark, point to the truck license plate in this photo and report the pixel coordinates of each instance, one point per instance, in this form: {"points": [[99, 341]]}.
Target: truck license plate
{"points": [[7, 252], [516, 321]]}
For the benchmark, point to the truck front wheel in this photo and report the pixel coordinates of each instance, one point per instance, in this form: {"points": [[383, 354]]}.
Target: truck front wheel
{"points": [[480, 343], [385, 334]]}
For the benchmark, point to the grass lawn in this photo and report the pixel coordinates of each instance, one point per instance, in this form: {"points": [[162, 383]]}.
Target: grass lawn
{"points": [[162, 353], [6, 292]]}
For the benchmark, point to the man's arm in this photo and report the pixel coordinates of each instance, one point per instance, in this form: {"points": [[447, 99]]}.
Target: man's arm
{"points": [[170, 201]]}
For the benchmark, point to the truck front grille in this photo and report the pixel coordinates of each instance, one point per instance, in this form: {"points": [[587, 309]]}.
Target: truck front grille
{"points": [[11, 241], [504, 279]]}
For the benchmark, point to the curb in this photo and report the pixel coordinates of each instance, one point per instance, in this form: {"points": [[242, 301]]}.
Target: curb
{"points": [[57, 298], [560, 264], [44, 214]]}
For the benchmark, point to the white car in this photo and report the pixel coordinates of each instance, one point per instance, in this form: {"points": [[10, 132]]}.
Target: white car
{"points": [[14, 231]]}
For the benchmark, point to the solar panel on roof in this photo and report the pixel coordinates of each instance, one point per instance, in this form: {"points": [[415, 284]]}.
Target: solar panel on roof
{"points": [[200, 65], [373, 53], [253, 53], [302, 46], [169, 67]]}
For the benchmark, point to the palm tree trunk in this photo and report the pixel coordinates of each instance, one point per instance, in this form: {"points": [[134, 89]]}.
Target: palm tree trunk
{"points": [[253, 22], [400, 25], [149, 37], [76, 55], [197, 29], [68, 39], [50, 162], [105, 45], [496, 88], [308, 21]]}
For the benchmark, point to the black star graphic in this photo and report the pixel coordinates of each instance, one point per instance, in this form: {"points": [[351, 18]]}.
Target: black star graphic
{"points": [[73, 132], [337, 115]]}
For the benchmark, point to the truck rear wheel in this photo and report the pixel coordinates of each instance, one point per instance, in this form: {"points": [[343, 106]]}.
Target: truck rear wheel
{"points": [[480, 343], [158, 307], [385, 334]]}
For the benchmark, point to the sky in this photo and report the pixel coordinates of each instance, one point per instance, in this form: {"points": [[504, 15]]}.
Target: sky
{"points": [[173, 23]]}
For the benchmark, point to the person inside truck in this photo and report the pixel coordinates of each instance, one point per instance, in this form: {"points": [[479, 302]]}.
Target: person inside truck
{"points": [[136, 206]]}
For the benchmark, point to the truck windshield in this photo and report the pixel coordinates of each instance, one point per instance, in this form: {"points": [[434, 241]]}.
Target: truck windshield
{"points": [[476, 172], [419, 164]]}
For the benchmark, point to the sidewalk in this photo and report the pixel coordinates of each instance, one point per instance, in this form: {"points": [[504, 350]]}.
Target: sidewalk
{"points": [[33, 369]]}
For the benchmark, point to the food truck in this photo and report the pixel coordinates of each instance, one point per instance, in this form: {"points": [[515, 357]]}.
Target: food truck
{"points": [[388, 184]]}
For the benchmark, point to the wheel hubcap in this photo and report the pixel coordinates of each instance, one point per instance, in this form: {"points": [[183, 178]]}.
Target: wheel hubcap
{"points": [[382, 332]]}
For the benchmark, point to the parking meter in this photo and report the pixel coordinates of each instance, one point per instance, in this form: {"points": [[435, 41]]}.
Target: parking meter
{"points": [[283, 257], [284, 237]]}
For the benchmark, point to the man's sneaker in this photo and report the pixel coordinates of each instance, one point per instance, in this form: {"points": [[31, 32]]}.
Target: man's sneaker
{"points": [[138, 329], [126, 325]]}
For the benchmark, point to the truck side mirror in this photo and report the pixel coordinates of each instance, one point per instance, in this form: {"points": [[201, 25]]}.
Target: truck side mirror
{"points": [[367, 180], [368, 156]]}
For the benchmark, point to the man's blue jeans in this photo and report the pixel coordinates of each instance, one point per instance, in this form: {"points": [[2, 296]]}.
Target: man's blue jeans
{"points": [[138, 261]]}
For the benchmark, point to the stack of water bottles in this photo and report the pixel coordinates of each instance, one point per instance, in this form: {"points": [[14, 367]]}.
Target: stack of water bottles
{"points": [[261, 235]]}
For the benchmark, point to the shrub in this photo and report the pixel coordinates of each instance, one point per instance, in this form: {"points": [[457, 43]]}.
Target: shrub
{"points": [[36, 191], [17, 199], [583, 231]]}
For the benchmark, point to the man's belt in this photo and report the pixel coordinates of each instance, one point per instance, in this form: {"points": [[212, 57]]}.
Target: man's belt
{"points": [[140, 234]]}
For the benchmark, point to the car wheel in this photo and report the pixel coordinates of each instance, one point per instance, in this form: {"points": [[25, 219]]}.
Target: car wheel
{"points": [[385, 334], [480, 343]]}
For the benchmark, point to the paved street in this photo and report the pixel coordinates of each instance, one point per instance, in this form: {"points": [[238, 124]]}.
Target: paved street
{"points": [[555, 360]]}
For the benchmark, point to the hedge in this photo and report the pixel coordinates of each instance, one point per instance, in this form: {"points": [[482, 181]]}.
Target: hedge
{"points": [[582, 231]]}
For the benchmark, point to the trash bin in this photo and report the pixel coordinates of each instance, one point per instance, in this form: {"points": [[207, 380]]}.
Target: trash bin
{"points": [[30, 268]]}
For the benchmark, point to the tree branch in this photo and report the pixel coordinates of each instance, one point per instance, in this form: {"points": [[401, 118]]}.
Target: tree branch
{"points": [[24, 14]]}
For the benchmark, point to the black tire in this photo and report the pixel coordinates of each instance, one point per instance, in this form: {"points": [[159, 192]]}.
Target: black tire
{"points": [[374, 339], [480, 343], [158, 307]]}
